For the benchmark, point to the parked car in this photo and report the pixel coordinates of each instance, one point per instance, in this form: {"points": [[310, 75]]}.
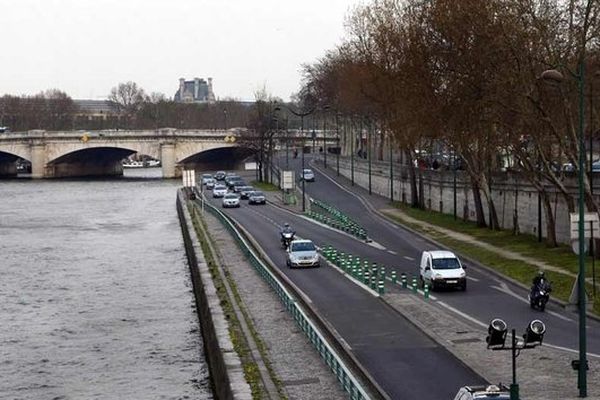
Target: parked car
{"points": [[257, 197], [231, 200], [245, 192], [494, 392], [308, 175], [440, 268], [205, 178], [210, 183], [219, 191], [302, 253], [220, 175]]}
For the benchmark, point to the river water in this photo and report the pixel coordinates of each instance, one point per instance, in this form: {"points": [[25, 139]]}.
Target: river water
{"points": [[95, 295]]}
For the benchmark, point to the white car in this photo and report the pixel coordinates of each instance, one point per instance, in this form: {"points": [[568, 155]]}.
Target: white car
{"points": [[440, 268], [219, 191], [308, 175], [205, 178], [231, 200], [302, 253], [210, 183]]}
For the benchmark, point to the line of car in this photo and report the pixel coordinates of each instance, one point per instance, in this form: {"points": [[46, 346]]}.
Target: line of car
{"points": [[231, 188]]}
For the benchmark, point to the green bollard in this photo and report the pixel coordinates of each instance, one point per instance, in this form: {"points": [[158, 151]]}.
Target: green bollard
{"points": [[394, 277], [366, 277], [426, 291], [414, 284], [381, 287], [382, 272], [403, 280], [373, 282]]}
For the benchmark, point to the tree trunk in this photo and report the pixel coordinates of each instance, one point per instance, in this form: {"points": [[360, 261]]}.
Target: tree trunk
{"points": [[478, 205], [550, 221], [414, 195], [493, 222]]}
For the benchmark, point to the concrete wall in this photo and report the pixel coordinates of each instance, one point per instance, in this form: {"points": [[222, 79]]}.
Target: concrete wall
{"points": [[226, 369], [512, 195]]}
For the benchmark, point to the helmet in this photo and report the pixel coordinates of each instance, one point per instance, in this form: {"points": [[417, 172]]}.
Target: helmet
{"points": [[286, 225], [541, 274]]}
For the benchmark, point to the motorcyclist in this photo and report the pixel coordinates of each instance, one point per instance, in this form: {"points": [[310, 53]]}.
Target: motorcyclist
{"points": [[286, 229], [539, 283]]}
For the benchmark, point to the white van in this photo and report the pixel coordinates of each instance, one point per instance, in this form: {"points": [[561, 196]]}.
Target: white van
{"points": [[440, 268]]}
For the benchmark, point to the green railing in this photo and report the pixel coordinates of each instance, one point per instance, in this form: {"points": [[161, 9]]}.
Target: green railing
{"points": [[369, 273], [347, 380], [333, 217]]}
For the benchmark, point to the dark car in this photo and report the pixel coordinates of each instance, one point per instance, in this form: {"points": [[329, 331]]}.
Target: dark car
{"points": [[238, 186], [257, 197], [220, 175], [245, 192]]}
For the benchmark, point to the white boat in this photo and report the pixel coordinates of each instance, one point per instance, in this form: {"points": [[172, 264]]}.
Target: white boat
{"points": [[153, 163], [133, 164]]}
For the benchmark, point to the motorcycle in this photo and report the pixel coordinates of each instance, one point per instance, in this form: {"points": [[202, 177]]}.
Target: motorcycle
{"points": [[539, 295], [286, 239]]}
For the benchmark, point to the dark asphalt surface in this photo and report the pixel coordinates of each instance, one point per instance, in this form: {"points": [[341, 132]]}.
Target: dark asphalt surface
{"points": [[487, 296], [400, 357]]}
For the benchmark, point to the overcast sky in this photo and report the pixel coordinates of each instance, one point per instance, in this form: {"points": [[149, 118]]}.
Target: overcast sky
{"points": [[85, 47]]}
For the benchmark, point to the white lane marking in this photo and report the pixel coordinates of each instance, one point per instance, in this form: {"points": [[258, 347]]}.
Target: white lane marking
{"points": [[557, 315], [570, 350], [392, 252], [409, 258], [345, 344], [351, 278], [462, 314], [376, 245], [472, 279], [505, 289]]}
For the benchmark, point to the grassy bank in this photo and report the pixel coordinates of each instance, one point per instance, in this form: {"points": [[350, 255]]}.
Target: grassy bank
{"points": [[267, 187], [238, 339], [560, 257]]}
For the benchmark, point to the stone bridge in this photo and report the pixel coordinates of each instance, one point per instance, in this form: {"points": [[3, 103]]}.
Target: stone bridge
{"points": [[85, 153]]}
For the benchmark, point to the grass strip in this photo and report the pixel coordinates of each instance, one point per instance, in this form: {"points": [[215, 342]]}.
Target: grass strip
{"points": [[240, 344], [526, 245], [264, 186]]}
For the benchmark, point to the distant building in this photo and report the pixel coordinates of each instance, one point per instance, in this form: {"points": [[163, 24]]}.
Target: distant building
{"points": [[95, 109], [195, 91]]}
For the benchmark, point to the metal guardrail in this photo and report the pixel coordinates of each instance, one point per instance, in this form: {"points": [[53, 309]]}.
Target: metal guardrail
{"points": [[343, 374]]}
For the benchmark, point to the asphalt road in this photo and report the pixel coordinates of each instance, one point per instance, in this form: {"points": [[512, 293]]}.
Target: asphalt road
{"points": [[487, 296], [399, 357]]}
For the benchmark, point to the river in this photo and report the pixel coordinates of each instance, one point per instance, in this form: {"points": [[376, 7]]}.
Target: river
{"points": [[95, 294]]}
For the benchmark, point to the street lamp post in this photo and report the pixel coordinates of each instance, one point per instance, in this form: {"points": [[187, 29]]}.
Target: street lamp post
{"points": [[352, 151], [325, 141], [391, 170], [369, 152], [496, 340], [302, 114], [556, 76]]}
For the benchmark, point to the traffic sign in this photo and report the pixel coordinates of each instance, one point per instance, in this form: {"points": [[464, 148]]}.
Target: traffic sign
{"points": [[591, 221], [288, 180]]}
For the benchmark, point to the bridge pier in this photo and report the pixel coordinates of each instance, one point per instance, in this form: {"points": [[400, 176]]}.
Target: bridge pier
{"points": [[167, 159], [38, 160]]}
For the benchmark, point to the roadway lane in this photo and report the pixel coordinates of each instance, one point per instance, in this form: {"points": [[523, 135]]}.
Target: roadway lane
{"points": [[398, 356], [487, 296]]}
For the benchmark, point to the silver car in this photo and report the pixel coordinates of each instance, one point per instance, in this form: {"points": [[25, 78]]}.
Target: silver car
{"points": [[231, 200], [256, 197], [302, 253], [219, 191]]}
